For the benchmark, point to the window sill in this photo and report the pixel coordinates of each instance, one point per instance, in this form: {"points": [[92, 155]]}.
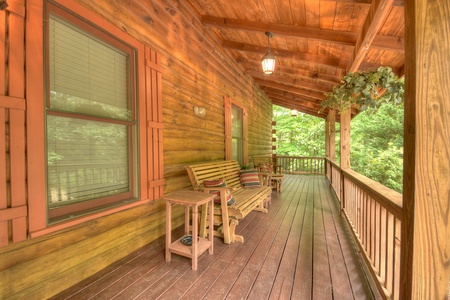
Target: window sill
{"points": [[82, 219]]}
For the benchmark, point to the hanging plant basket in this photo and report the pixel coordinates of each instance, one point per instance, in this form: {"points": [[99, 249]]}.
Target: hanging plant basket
{"points": [[365, 90]]}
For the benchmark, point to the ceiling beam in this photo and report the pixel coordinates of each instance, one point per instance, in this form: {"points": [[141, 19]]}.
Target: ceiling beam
{"points": [[289, 96], [389, 43], [295, 101], [344, 38], [289, 88], [256, 65], [290, 80], [378, 12], [294, 105], [300, 56]]}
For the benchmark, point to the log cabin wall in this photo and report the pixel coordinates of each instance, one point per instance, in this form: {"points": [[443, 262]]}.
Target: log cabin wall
{"points": [[196, 71]]}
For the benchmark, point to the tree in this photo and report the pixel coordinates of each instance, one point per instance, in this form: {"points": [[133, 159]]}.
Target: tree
{"points": [[303, 135], [377, 145], [376, 141]]}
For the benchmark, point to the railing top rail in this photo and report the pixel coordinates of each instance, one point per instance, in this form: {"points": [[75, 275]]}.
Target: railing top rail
{"points": [[334, 163], [389, 199], [308, 157]]}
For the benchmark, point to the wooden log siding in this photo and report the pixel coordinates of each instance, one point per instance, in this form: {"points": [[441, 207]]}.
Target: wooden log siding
{"points": [[196, 71], [13, 209]]}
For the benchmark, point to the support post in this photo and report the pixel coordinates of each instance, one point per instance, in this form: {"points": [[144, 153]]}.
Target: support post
{"points": [[332, 121], [425, 238], [345, 150]]}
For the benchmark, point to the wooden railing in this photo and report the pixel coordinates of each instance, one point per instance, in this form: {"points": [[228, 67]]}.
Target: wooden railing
{"points": [[301, 164], [374, 214], [334, 177]]}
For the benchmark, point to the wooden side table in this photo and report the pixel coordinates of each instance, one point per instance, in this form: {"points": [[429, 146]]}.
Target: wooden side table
{"points": [[189, 199]]}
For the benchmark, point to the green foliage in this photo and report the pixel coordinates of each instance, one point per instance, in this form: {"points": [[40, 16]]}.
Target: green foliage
{"points": [[377, 145], [303, 135], [365, 90], [376, 141]]}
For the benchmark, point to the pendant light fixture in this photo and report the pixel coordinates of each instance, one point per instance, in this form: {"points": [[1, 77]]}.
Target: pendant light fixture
{"points": [[268, 60]]}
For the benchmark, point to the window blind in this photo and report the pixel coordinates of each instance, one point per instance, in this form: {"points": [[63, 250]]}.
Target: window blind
{"points": [[88, 158], [86, 74]]}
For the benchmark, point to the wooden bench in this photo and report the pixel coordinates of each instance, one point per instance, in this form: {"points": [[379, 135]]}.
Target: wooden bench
{"points": [[226, 218]]}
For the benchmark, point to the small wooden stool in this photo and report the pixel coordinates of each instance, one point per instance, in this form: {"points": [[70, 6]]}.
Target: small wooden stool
{"points": [[189, 199]]}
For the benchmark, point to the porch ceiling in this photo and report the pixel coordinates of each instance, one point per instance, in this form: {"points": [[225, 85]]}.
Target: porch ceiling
{"points": [[316, 42]]}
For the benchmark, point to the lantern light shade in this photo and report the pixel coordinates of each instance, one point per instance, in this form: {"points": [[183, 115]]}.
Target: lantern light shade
{"points": [[268, 63], [268, 60]]}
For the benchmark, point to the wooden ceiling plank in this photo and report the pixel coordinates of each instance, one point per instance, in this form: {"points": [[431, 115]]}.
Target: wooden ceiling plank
{"points": [[289, 80], [312, 17], [296, 103], [298, 12], [396, 2], [293, 89], [269, 9], [284, 11], [343, 37], [343, 17], [290, 94], [304, 106], [356, 24], [307, 57], [305, 73], [378, 13], [327, 13]]}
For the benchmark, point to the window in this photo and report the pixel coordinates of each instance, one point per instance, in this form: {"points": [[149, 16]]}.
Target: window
{"points": [[236, 142], [91, 127], [237, 134]]}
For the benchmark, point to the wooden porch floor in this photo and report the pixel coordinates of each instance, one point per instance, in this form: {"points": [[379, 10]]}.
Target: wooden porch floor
{"points": [[299, 250]]}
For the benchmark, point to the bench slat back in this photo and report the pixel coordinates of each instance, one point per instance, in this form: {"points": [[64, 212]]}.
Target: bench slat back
{"points": [[228, 170]]}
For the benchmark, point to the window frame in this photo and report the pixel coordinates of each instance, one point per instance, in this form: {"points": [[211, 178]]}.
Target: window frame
{"points": [[68, 211], [239, 151], [228, 103], [148, 95]]}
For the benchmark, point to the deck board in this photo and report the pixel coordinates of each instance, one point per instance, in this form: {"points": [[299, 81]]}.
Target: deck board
{"points": [[298, 250]]}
